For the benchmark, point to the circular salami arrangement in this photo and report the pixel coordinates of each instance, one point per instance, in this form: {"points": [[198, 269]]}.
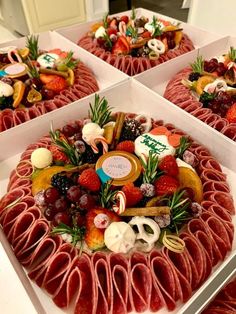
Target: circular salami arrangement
{"points": [[134, 44], [118, 212], [207, 90], [34, 82]]}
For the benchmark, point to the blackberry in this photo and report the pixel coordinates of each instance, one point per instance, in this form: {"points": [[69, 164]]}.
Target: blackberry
{"points": [[61, 182], [131, 130], [6, 102], [194, 76], [89, 156]]}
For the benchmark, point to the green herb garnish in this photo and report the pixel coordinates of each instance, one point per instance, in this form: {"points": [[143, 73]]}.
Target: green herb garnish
{"points": [[133, 13], [32, 69], [68, 60], [132, 31], [198, 65], [77, 233], [184, 144], [69, 150], [232, 54], [179, 210], [107, 195], [205, 98], [150, 167], [100, 112], [157, 27], [32, 45], [105, 20], [108, 42]]}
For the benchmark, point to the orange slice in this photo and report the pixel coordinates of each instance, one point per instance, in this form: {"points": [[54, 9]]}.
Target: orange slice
{"points": [[189, 179], [24, 52], [96, 26], [71, 77], [19, 89], [160, 130], [202, 82], [174, 139]]}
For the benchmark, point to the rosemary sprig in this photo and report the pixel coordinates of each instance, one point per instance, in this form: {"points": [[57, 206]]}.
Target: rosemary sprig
{"points": [[107, 195], [77, 233], [32, 44], [150, 167], [184, 144], [105, 21], [198, 65], [32, 69], [100, 112], [133, 32], [107, 39], [68, 60], [179, 210], [133, 13], [62, 143], [232, 54], [157, 27]]}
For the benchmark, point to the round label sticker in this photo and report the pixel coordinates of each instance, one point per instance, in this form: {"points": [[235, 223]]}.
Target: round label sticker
{"points": [[117, 167], [15, 69], [47, 60]]}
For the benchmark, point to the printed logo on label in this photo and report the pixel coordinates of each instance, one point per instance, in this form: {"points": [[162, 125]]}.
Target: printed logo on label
{"points": [[117, 167]]}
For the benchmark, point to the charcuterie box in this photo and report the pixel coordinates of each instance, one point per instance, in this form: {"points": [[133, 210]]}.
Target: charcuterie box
{"points": [[198, 36], [132, 53], [88, 75], [135, 97]]}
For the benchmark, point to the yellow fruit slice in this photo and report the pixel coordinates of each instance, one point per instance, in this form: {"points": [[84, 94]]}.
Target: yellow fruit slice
{"points": [[24, 52], [202, 82], [42, 180], [19, 89], [95, 26], [178, 34], [170, 28], [71, 77], [34, 96], [189, 179]]}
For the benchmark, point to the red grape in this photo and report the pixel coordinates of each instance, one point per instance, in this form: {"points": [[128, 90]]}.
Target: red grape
{"points": [[68, 130], [61, 218], [74, 193], [47, 93], [86, 202], [60, 205], [51, 195], [49, 213]]}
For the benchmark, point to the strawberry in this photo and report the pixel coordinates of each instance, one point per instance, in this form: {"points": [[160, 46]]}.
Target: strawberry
{"points": [[166, 185], [111, 31], [169, 165], [90, 180], [58, 155], [57, 84], [121, 46], [146, 34], [124, 18], [231, 114], [94, 236], [133, 194], [127, 146]]}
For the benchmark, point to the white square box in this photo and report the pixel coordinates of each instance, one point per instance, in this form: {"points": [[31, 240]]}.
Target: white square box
{"points": [[105, 74], [134, 97], [198, 36]]}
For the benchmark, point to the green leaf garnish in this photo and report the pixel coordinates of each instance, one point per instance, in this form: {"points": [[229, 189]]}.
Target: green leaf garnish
{"points": [[205, 98], [100, 112], [150, 167], [32, 44], [232, 54], [105, 20], [77, 233], [108, 42], [69, 150], [132, 31], [68, 60], [32, 69], [157, 27], [107, 195], [198, 65], [184, 144], [133, 13]]}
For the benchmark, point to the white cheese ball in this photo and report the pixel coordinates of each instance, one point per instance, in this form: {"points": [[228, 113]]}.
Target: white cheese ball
{"points": [[5, 89], [41, 158]]}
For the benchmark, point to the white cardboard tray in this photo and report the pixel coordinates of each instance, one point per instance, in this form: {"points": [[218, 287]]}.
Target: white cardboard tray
{"points": [[198, 36], [134, 97]]}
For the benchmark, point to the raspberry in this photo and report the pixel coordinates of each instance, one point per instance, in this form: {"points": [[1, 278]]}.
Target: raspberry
{"points": [[169, 165], [90, 180], [133, 194], [127, 146]]}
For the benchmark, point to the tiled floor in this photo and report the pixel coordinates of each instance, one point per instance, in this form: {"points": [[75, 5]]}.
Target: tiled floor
{"points": [[6, 35]]}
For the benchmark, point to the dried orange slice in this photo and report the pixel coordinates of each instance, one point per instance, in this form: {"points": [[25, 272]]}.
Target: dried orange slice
{"points": [[71, 77], [189, 179], [202, 82], [95, 26], [19, 89], [178, 34], [24, 52], [34, 96]]}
